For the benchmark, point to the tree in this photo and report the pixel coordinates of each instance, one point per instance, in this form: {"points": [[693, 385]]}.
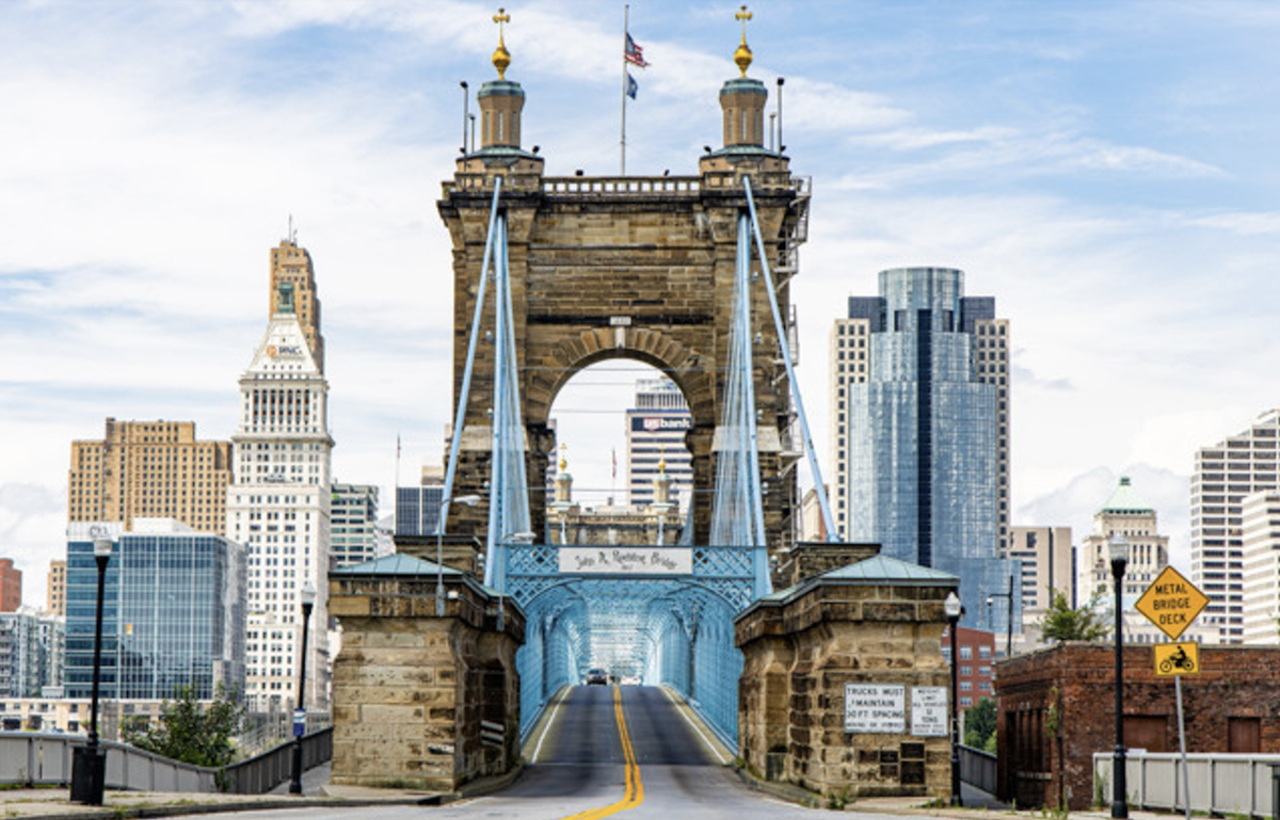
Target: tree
{"points": [[1062, 623], [190, 732], [980, 723]]}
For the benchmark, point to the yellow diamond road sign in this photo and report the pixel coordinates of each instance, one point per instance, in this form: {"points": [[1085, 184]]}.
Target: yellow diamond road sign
{"points": [[1172, 603]]}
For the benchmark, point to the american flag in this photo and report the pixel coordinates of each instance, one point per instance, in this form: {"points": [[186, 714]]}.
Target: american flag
{"points": [[634, 54]]}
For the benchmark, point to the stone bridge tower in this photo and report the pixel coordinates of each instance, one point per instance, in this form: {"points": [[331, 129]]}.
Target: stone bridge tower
{"points": [[626, 267]]}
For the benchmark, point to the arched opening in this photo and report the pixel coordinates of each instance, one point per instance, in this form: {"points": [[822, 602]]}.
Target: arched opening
{"points": [[620, 427]]}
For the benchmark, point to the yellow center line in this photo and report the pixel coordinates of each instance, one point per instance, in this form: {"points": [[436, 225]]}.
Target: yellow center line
{"points": [[634, 794]]}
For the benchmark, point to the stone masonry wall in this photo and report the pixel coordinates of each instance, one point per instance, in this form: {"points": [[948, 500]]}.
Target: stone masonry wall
{"points": [[410, 689], [799, 654]]}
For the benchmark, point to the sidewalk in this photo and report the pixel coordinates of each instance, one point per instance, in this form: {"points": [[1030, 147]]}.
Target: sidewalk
{"points": [[54, 804]]}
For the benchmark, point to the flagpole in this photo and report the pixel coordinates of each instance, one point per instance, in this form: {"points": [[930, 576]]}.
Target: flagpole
{"points": [[622, 142]]}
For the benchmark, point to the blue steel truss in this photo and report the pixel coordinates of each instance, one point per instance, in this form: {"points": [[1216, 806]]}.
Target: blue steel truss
{"points": [[676, 630], [671, 629]]}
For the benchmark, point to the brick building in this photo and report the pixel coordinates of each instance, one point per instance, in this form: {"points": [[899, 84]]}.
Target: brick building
{"points": [[150, 469], [10, 586], [1055, 710], [977, 650]]}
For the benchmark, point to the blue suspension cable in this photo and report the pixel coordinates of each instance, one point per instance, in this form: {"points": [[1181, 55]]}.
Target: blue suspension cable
{"points": [[465, 390], [814, 470]]}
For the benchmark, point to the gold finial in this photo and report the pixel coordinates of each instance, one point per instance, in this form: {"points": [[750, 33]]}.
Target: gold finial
{"points": [[563, 462], [501, 57], [743, 55]]}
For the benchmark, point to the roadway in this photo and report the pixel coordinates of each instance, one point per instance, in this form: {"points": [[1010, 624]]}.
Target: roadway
{"points": [[606, 751]]}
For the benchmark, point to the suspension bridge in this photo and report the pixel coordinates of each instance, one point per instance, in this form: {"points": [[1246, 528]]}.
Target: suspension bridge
{"points": [[670, 617], [445, 670]]}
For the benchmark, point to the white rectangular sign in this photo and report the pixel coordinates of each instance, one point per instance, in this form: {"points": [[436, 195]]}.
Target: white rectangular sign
{"points": [[929, 711], [875, 707], [627, 560]]}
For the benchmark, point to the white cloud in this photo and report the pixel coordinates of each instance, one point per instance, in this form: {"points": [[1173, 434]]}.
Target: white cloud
{"points": [[153, 153], [1078, 499]]}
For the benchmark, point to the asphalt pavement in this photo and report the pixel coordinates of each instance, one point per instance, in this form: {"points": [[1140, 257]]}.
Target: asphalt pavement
{"points": [[597, 751]]}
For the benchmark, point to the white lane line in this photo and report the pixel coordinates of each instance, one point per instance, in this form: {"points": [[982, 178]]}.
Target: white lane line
{"points": [[705, 741], [551, 719]]}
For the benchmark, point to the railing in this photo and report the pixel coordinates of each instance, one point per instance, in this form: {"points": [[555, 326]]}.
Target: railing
{"points": [[629, 185], [978, 769], [38, 758], [621, 185], [1221, 784], [262, 773]]}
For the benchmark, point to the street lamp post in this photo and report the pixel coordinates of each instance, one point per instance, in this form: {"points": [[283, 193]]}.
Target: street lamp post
{"points": [[1118, 552], [89, 763], [1008, 596], [308, 596], [470, 501], [951, 606]]}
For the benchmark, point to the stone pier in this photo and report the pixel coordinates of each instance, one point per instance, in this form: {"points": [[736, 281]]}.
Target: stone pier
{"points": [[422, 701], [876, 625]]}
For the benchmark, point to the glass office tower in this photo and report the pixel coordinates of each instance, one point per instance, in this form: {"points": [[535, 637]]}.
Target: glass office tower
{"points": [[925, 433], [173, 611]]}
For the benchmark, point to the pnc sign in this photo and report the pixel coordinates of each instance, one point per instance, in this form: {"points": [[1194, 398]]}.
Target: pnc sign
{"points": [[1172, 603]]}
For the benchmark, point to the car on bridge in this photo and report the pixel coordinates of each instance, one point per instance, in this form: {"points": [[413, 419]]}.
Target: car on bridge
{"points": [[596, 677]]}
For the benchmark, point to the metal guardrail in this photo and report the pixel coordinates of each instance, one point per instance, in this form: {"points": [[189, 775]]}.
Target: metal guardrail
{"points": [[978, 769], [41, 758], [262, 773], [1221, 784]]}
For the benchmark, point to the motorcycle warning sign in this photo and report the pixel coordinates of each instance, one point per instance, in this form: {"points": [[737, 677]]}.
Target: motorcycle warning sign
{"points": [[1172, 603], [1177, 658]]}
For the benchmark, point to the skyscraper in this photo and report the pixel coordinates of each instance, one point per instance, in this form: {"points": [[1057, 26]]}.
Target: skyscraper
{"points": [[920, 426], [1048, 563], [1125, 513], [279, 508], [30, 654], [292, 264], [174, 604], [656, 426], [1224, 474], [353, 515], [150, 469], [56, 584], [418, 508], [1261, 567]]}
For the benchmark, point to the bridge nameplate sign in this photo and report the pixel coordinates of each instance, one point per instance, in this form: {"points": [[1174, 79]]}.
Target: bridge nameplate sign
{"points": [[639, 560], [875, 707]]}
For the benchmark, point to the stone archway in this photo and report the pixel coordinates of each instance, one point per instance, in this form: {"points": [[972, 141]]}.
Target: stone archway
{"points": [[620, 269], [647, 346]]}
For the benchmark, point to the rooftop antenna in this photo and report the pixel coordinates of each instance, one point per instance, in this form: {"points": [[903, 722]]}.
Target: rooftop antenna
{"points": [[293, 233]]}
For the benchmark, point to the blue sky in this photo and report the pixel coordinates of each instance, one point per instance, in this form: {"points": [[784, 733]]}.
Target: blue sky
{"points": [[1106, 170]]}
